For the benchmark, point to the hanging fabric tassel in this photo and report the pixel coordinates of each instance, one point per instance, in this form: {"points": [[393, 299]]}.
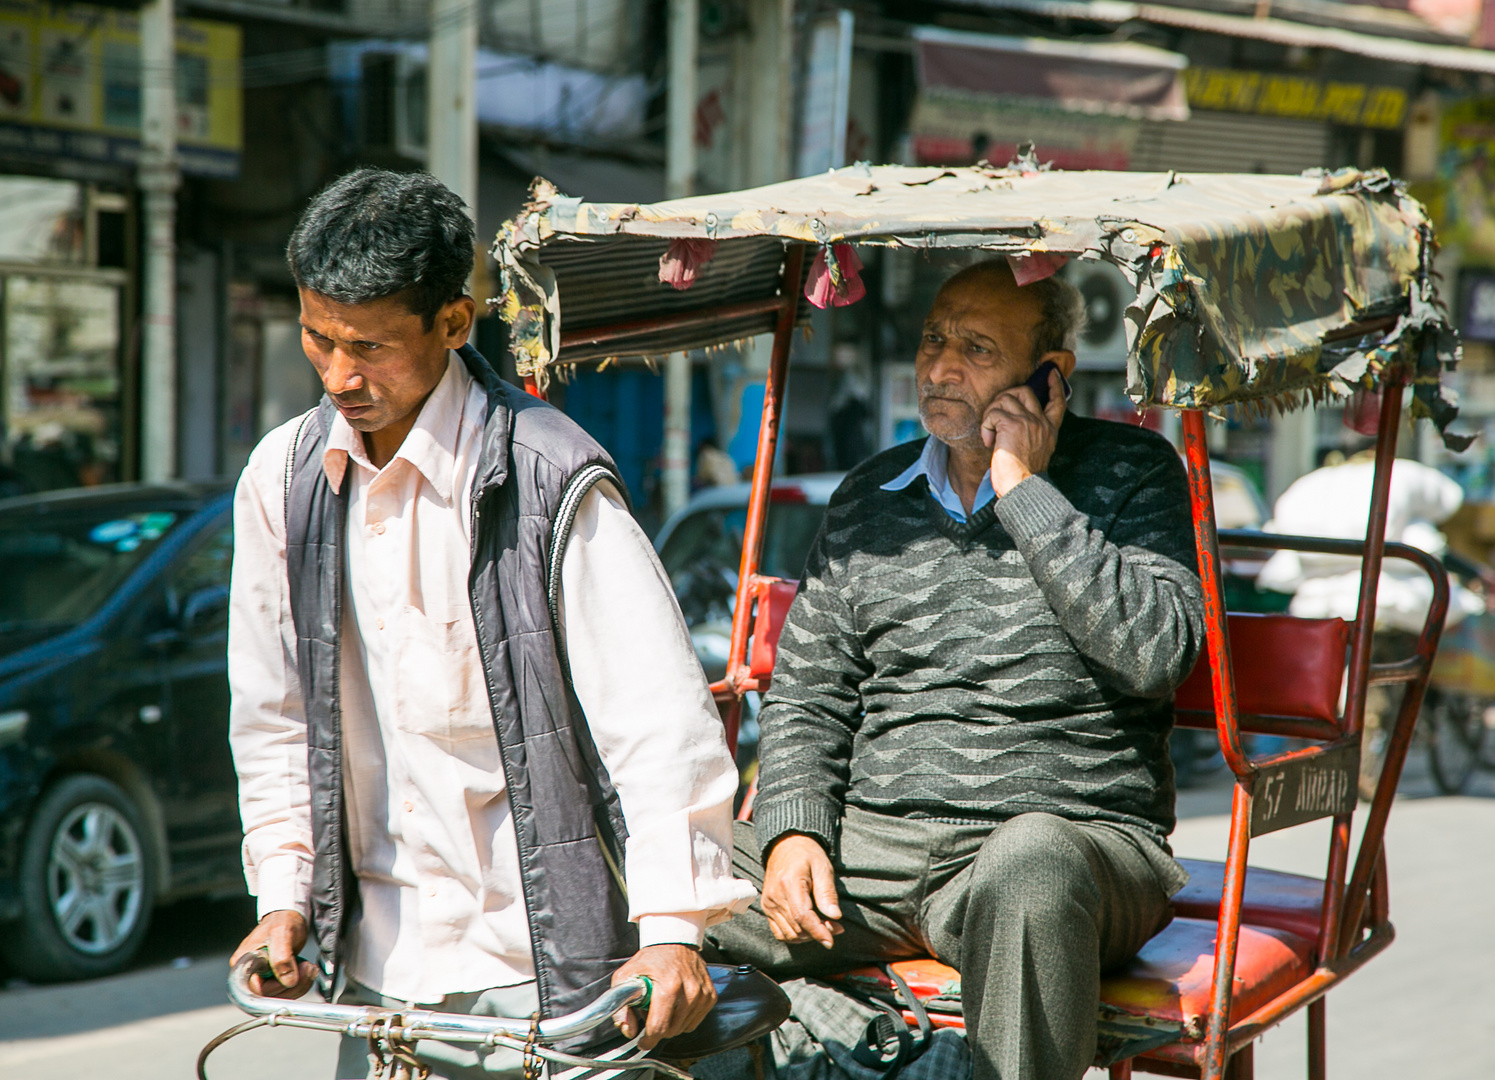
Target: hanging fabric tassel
{"points": [[1035, 266], [1363, 413], [835, 282], [679, 265]]}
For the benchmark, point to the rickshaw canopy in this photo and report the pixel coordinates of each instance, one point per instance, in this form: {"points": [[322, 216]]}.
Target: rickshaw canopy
{"points": [[1253, 290]]}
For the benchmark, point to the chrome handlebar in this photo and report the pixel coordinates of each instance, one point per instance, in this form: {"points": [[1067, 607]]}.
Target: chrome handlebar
{"points": [[359, 1020]]}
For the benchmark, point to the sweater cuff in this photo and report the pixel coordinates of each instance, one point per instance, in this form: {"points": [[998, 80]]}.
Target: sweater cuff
{"points": [[796, 814], [1033, 507]]}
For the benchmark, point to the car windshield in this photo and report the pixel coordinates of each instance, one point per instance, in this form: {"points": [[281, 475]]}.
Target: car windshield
{"points": [[703, 553], [60, 564]]}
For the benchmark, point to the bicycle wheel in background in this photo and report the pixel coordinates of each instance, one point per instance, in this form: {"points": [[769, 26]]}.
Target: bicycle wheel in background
{"points": [[1455, 727]]}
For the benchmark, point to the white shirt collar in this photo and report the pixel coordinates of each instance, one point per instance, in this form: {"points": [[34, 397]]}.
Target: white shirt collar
{"points": [[933, 465], [431, 446]]}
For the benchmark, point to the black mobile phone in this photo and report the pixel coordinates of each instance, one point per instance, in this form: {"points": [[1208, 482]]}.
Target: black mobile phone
{"points": [[1039, 383]]}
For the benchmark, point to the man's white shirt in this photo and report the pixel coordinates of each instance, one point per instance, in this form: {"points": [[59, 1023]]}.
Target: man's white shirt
{"points": [[430, 832]]}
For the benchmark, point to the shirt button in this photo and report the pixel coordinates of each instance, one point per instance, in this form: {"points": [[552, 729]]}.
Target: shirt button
{"points": [[431, 890], [379, 623], [377, 528], [409, 807]]}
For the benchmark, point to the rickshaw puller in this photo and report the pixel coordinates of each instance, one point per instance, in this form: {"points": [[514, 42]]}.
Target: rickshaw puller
{"points": [[964, 751], [447, 756]]}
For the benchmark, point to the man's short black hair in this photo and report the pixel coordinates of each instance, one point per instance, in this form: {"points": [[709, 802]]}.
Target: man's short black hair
{"points": [[375, 233]]}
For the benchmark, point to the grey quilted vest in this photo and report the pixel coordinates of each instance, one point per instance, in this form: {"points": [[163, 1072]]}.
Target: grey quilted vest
{"points": [[536, 465]]}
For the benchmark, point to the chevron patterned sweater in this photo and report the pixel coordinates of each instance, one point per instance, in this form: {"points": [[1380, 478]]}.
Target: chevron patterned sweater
{"points": [[1024, 661]]}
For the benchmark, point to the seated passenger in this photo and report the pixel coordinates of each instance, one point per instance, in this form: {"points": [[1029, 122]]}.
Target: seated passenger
{"points": [[965, 751]]}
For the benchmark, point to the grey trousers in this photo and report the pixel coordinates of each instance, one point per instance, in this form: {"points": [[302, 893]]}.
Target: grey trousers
{"points": [[449, 1060], [1031, 912]]}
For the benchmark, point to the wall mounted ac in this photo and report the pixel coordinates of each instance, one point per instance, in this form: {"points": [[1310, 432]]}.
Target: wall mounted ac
{"points": [[1107, 292]]}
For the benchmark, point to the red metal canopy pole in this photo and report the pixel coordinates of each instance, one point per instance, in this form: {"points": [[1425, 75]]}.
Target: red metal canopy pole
{"points": [[1357, 681], [1217, 641], [768, 444]]}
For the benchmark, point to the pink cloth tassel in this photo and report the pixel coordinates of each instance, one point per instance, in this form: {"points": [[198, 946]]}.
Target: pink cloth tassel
{"points": [[838, 285], [1363, 412], [1035, 266], [679, 265]]}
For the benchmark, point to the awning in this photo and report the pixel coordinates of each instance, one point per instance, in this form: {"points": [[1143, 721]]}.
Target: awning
{"points": [[1106, 79], [1278, 31]]}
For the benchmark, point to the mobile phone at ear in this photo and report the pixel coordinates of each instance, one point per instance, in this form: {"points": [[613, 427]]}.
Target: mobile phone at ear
{"points": [[1039, 383]]}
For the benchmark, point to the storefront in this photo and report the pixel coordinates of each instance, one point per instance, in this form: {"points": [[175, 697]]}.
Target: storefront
{"points": [[70, 87], [64, 298]]}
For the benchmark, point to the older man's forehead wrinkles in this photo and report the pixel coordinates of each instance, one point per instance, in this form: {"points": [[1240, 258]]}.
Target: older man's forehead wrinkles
{"points": [[952, 326]]}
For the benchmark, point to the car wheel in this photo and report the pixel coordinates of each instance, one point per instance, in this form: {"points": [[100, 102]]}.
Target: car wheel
{"points": [[87, 884]]}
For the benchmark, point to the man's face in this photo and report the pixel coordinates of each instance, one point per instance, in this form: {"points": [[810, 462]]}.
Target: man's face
{"points": [[378, 361], [978, 342]]}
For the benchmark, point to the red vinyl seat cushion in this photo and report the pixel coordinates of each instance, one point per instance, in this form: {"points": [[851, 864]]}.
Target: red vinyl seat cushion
{"points": [[773, 596], [1284, 666], [927, 978], [1170, 978], [1273, 899]]}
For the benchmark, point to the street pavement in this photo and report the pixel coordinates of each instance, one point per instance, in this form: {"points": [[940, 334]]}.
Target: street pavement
{"points": [[1425, 1008]]}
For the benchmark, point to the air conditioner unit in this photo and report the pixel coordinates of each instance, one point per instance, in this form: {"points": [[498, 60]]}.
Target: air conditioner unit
{"points": [[1107, 292], [394, 100]]}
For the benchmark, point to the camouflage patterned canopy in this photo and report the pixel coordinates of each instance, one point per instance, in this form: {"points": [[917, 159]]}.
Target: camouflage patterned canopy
{"points": [[1251, 290]]}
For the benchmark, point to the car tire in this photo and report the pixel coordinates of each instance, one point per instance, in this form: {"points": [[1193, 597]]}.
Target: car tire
{"points": [[87, 884]]}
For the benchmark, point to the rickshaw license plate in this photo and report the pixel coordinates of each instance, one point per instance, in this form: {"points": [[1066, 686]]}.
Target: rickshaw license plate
{"points": [[1293, 792]]}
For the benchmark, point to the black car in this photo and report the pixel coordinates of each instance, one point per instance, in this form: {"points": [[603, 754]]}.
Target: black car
{"points": [[117, 789]]}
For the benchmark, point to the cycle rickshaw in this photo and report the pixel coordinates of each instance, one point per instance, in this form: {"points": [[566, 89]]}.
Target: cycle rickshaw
{"points": [[1254, 292]]}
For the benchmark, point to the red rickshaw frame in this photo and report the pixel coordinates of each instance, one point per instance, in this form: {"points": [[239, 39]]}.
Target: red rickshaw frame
{"points": [[1355, 923]]}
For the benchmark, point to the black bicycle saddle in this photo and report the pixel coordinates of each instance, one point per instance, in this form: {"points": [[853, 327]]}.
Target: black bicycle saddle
{"points": [[748, 1006]]}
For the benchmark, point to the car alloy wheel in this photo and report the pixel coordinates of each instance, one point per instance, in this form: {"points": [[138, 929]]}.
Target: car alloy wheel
{"points": [[96, 878]]}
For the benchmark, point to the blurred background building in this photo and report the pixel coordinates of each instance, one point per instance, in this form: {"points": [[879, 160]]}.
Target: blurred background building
{"points": [[276, 97]]}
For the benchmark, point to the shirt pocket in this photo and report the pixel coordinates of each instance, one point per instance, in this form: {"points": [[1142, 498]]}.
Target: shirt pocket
{"points": [[439, 683]]}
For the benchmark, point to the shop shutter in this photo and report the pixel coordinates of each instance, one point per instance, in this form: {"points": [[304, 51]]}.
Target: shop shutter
{"points": [[1227, 142]]}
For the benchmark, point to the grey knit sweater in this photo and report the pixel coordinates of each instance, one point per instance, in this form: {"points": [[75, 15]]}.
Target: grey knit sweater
{"points": [[1024, 661]]}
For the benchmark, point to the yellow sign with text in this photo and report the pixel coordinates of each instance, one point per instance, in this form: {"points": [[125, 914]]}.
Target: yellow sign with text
{"points": [[1295, 97], [70, 80]]}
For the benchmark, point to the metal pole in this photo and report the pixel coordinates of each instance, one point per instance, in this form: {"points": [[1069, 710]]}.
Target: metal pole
{"points": [[1227, 725], [768, 445], [680, 150], [680, 177], [158, 178], [451, 107], [676, 431]]}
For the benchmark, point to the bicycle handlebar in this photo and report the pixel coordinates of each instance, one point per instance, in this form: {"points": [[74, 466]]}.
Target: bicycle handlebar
{"points": [[357, 1019]]}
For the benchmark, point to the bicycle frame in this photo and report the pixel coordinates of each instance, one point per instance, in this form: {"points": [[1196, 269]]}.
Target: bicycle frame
{"points": [[360, 1020]]}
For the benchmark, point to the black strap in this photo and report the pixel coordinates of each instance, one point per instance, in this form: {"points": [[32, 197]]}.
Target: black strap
{"points": [[888, 1045]]}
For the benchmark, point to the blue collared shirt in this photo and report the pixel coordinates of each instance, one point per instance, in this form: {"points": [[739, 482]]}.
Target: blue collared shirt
{"points": [[932, 465]]}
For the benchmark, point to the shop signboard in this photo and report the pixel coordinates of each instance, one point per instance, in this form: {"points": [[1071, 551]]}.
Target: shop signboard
{"points": [[1296, 97], [70, 87]]}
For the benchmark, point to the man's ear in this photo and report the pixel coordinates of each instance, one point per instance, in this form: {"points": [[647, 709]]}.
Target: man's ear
{"points": [[1062, 359], [456, 321]]}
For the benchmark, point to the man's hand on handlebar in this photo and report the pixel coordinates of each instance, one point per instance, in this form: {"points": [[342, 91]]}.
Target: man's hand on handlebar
{"points": [[682, 993], [799, 892], [282, 934]]}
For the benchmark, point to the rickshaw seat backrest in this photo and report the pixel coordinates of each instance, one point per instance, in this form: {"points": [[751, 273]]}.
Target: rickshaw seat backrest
{"points": [[772, 597], [1284, 667]]}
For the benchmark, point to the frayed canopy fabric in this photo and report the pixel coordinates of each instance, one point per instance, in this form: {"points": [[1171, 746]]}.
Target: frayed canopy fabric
{"points": [[1253, 290]]}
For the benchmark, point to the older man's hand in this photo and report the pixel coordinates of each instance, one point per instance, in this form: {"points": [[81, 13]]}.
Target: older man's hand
{"points": [[1022, 434], [799, 892], [681, 997]]}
